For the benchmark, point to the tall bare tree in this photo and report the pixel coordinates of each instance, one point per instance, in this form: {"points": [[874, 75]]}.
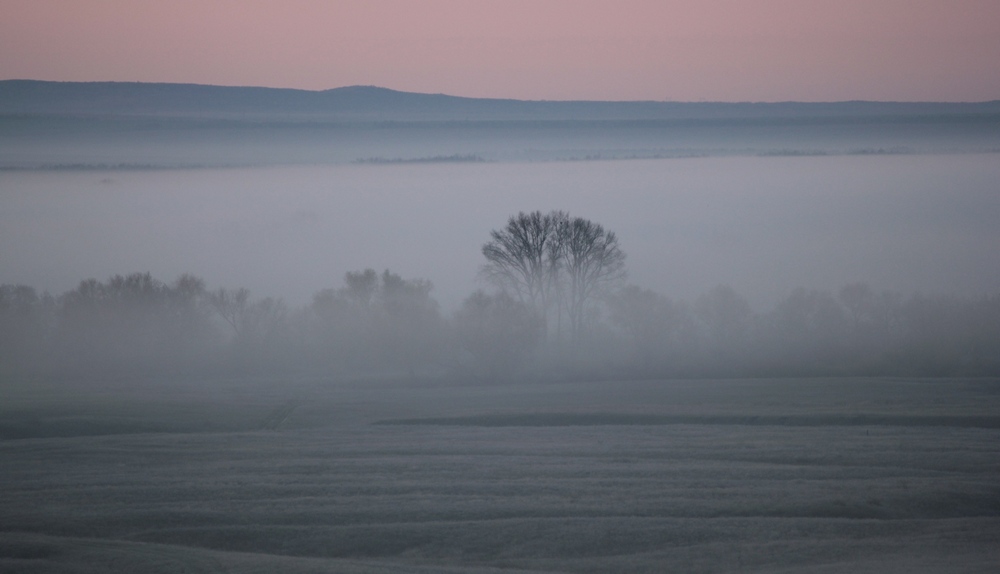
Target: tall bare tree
{"points": [[523, 257], [554, 263], [592, 262]]}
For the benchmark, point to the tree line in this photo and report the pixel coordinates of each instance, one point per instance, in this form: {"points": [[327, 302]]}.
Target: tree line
{"points": [[556, 303]]}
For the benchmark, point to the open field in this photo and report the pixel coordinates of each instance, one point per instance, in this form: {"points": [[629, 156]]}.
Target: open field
{"points": [[832, 475]]}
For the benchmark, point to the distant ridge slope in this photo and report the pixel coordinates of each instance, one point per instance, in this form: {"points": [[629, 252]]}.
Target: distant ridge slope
{"points": [[368, 103]]}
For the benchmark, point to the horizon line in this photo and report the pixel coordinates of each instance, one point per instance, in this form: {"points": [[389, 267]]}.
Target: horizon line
{"points": [[447, 95]]}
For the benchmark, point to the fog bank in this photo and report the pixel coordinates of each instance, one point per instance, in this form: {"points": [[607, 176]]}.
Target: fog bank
{"points": [[761, 224]]}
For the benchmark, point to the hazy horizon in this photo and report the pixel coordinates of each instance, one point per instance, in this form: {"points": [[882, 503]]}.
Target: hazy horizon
{"points": [[568, 99]]}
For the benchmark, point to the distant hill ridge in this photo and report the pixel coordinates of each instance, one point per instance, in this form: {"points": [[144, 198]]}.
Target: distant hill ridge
{"points": [[370, 103]]}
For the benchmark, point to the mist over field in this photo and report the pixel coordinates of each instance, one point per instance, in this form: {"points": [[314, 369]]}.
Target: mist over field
{"points": [[276, 330], [764, 225]]}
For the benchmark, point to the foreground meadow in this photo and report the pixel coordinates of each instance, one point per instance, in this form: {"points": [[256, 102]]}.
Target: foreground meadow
{"points": [[831, 475]]}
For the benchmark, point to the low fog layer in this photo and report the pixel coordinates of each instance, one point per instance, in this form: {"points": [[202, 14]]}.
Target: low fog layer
{"points": [[276, 197], [86, 142], [763, 225], [576, 324], [557, 305]]}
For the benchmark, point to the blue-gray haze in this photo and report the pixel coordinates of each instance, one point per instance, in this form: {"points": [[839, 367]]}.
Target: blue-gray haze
{"points": [[764, 225]]}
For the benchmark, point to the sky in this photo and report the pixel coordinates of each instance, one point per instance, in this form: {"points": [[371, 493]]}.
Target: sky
{"points": [[680, 50]]}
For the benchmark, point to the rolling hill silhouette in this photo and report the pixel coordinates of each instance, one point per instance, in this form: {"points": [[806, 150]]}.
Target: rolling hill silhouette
{"points": [[370, 103]]}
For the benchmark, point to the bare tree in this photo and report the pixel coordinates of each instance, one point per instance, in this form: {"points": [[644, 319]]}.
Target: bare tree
{"points": [[254, 323], [554, 263], [232, 306], [522, 258], [592, 262]]}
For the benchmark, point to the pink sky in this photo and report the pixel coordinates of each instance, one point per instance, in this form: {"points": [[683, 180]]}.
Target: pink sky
{"points": [[728, 50]]}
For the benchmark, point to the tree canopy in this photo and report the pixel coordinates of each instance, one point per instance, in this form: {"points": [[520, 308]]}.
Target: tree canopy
{"points": [[558, 264]]}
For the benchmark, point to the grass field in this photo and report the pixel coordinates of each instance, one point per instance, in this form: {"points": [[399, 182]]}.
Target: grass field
{"points": [[791, 475]]}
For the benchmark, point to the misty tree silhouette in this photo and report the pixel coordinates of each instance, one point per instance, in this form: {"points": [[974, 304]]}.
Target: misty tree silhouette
{"points": [[555, 263]]}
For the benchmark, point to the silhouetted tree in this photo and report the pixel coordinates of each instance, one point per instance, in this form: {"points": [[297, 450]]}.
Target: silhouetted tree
{"points": [[257, 326], [592, 262], [377, 322], [555, 264], [232, 306], [133, 321], [361, 287], [523, 258], [412, 330]]}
